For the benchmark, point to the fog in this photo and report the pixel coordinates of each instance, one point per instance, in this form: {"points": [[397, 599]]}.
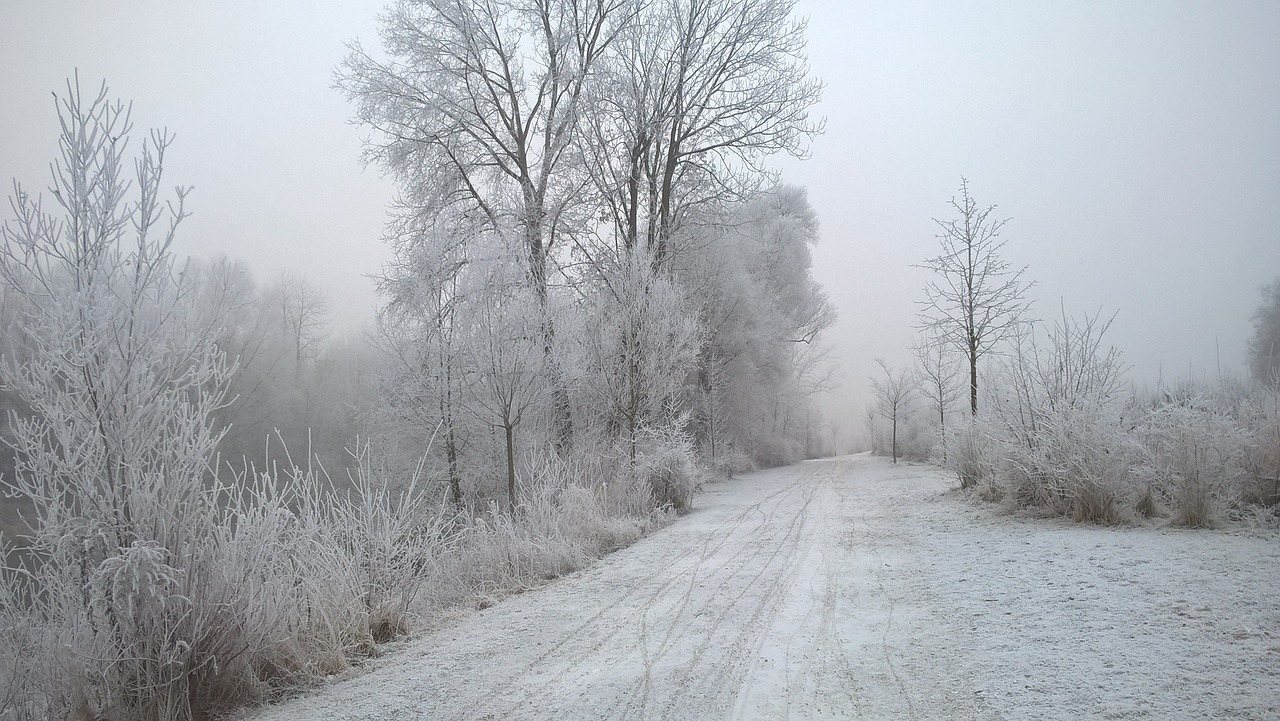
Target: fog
{"points": [[1136, 147]]}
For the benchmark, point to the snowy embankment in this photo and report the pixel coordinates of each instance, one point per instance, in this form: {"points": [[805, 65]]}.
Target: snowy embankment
{"points": [[852, 588]]}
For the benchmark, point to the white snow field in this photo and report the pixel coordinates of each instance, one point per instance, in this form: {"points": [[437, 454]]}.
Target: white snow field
{"points": [[851, 588]]}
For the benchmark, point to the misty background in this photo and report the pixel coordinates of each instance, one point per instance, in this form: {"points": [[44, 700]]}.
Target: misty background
{"points": [[1136, 147]]}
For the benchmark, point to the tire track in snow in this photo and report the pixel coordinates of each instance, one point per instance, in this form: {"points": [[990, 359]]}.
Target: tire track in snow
{"points": [[783, 551], [611, 624]]}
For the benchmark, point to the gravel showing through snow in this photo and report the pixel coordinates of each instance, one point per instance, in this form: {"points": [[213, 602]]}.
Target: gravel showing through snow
{"points": [[852, 588]]}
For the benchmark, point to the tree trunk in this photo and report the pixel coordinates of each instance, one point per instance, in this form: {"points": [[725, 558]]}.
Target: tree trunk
{"points": [[973, 381], [511, 466], [665, 221], [451, 453], [942, 428], [894, 442], [450, 440], [534, 226]]}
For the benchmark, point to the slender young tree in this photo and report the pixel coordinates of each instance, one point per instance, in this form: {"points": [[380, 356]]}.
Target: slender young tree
{"points": [[417, 330], [504, 359], [893, 395], [976, 299], [940, 380]]}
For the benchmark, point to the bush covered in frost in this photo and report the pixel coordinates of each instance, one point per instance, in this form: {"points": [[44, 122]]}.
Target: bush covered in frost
{"points": [[1058, 437]]}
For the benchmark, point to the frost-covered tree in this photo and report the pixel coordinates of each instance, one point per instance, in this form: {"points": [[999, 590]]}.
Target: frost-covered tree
{"points": [[122, 377], [503, 357], [612, 146], [764, 313], [417, 330], [693, 96], [476, 108], [976, 299], [122, 371], [1264, 346], [477, 104], [642, 342]]}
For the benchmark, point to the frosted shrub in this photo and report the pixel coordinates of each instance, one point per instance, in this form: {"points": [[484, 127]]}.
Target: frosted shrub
{"points": [[22, 648], [391, 536], [1077, 466], [917, 439], [139, 614], [1194, 458], [972, 454], [665, 462], [1054, 434], [570, 511], [735, 461], [1261, 418], [771, 451]]}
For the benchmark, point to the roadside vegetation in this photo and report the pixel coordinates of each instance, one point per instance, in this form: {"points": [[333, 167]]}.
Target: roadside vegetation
{"points": [[1053, 425], [599, 297]]}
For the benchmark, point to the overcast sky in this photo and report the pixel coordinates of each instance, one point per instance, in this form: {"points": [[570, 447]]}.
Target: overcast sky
{"points": [[1135, 145]]}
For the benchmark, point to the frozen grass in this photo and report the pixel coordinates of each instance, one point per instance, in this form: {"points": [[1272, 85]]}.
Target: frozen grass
{"points": [[294, 583]]}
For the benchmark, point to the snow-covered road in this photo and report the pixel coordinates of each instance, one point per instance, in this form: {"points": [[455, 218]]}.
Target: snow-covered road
{"points": [[852, 588]]}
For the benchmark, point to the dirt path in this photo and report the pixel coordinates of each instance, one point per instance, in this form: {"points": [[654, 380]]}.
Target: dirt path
{"points": [[850, 588]]}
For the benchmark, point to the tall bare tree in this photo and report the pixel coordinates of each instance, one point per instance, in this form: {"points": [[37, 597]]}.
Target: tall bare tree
{"points": [[476, 108], [976, 299], [303, 312], [697, 94]]}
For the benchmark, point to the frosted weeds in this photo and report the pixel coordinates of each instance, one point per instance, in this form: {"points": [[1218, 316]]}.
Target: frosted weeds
{"points": [[848, 588]]}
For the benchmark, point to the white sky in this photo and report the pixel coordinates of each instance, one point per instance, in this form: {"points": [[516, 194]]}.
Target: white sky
{"points": [[1136, 145]]}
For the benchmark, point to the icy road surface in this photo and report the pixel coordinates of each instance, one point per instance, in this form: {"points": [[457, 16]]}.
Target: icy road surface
{"points": [[850, 588]]}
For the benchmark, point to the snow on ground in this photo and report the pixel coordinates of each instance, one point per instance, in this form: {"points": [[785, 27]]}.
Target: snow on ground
{"points": [[852, 588]]}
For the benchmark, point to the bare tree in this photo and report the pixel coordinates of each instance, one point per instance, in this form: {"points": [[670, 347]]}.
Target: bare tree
{"points": [[476, 110], [504, 359], [893, 395], [304, 311], [939, 373], [477, 104], [697, 94], [976, 299], [1264, 346], [418, 330]]}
